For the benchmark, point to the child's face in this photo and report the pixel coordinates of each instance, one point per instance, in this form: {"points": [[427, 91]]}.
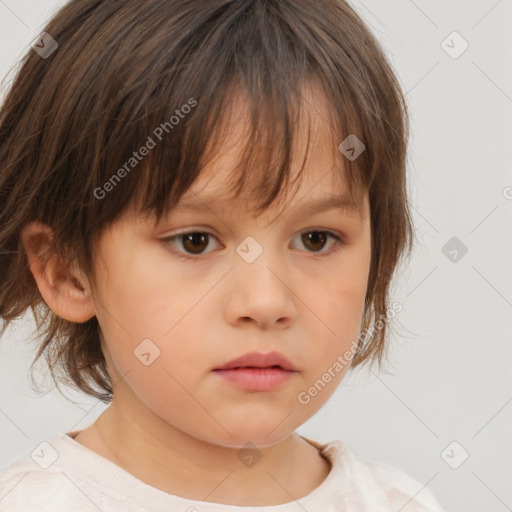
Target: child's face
{"points": [[299, 297]]}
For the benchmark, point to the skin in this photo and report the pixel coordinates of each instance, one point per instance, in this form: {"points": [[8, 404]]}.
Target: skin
{"points": [[175, 424]]}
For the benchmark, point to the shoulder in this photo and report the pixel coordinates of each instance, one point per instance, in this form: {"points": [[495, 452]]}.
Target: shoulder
{"points": [[399, 488], [26, 485], [382, 485]]}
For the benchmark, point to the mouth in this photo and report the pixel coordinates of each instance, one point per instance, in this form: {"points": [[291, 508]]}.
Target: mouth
{"points": [[260, 360], [256, 379], [257, 371]]}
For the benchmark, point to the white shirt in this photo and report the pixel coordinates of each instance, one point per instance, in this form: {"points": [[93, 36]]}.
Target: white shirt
{"points": [[64, 475]]}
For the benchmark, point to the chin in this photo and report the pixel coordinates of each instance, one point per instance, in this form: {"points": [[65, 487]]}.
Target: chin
{"points": [[262, 435]]}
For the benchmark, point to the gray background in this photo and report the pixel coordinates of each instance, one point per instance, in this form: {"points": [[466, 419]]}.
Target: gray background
{"points": [[450, 377]]}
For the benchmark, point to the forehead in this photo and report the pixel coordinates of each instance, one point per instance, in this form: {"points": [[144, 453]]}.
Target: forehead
{"points": [[320, 190]]}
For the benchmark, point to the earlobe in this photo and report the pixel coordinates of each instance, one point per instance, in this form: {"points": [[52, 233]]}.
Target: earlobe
{"points": [[58, 282]]}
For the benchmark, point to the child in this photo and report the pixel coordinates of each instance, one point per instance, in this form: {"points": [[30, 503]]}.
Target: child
{"points": [[137, 129]]}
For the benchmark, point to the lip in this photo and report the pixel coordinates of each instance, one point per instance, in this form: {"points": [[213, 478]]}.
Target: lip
{"points": [[256, 371], [259, 360]]}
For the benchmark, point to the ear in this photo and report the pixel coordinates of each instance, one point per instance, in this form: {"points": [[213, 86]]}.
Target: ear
{"points": [[62, 286]]}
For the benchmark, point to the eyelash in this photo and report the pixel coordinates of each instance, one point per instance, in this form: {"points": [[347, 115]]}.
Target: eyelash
{"points": [[338, 245]]}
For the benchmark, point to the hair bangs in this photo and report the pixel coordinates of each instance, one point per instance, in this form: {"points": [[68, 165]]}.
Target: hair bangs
{"points": [[245, 73]]}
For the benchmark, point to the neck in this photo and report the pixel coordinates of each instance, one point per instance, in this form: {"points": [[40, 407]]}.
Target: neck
{"points": [[181, 465]]}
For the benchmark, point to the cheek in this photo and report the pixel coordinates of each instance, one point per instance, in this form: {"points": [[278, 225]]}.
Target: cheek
{"points": [[141, 294], [145, 293], [341, 316], [339, 303], [345, 290]]}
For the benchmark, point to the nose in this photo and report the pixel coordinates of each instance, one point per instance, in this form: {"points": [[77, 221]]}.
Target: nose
{"points": [[261, 293]]}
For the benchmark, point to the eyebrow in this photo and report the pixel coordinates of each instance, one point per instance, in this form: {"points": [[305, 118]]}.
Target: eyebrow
{"points": [[343, 203]]}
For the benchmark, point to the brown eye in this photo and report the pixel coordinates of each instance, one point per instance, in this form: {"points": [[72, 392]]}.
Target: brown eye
{"points": [[189, 243], [314, 240], [194, 243]]}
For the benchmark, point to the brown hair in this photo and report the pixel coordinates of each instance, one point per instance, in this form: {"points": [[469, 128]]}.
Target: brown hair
{"points": [[124, 68]]}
